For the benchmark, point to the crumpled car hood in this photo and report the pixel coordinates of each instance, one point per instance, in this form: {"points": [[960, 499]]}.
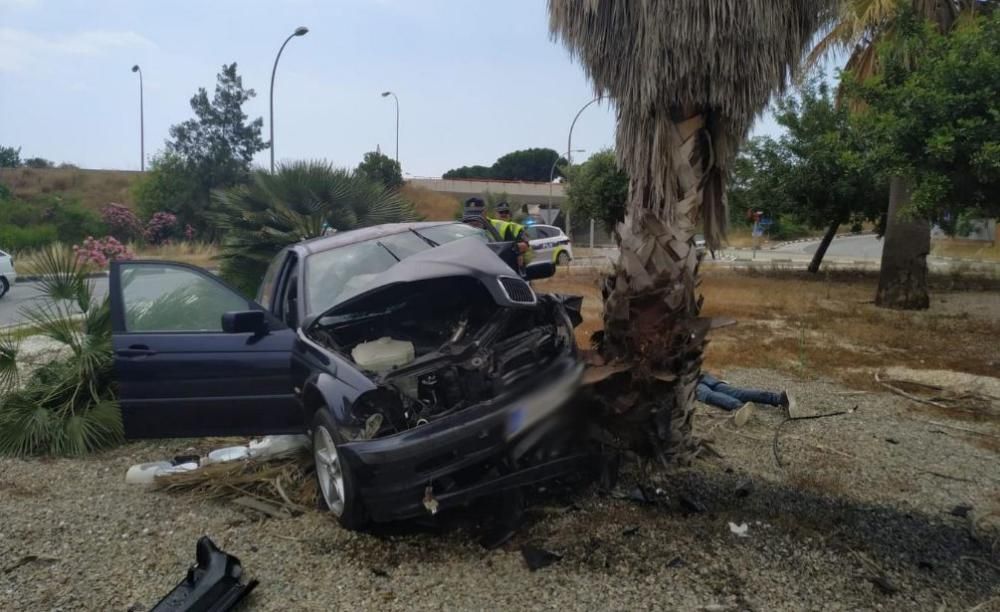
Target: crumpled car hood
{"points": [[468, 257]]}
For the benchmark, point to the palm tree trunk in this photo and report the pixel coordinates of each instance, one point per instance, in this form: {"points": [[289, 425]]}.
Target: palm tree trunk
{"points": [[902, 281], [824, 244], [651, 312]]}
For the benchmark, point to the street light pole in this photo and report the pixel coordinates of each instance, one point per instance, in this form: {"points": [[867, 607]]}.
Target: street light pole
{"points": [[142, 124], [299, 31], [569, 157], [569, 140], [552, 173], [389, 93]]}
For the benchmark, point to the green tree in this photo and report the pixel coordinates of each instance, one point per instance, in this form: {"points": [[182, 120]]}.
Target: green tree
{"points": [[381, 168], [10, 157], [214, 150], [295, 203], [685, 99], [934, 126], [527, 165], [38, 162], [170, 185], [598, 189], [816, 174], [469, 172], [524, 165], [867, 28]]}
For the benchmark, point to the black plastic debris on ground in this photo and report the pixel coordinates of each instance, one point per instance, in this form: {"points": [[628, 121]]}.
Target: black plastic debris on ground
{"points": [[744, 489], [211, 585], [537, 558], [630, 531], [690, 504], [961, 510], [676, 562]]}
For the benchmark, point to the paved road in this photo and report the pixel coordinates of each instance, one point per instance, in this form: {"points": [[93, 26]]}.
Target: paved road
{"points": [[24, 294], [866, 246]]}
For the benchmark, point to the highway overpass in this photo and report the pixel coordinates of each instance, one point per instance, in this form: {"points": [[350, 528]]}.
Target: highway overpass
{"points": [[535, 197]]}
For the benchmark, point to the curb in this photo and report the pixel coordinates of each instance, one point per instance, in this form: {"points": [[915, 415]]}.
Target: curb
{"points": [[844, 235], [37, 277]]}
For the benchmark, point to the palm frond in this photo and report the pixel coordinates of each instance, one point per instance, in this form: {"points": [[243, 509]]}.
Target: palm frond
{"points": [[62, 277], [294, 204], [10, 347], [67, 405]]}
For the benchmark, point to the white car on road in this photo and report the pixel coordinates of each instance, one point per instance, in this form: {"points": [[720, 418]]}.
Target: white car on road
{"points": [[7, 273], [549, 243]]}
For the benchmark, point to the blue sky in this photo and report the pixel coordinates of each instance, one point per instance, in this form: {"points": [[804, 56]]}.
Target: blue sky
{"points": [[475, 79]]}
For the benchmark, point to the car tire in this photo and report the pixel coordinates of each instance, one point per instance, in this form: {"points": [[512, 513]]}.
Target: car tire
{"points": [[337, 488], [4, 286], [562, 259]]}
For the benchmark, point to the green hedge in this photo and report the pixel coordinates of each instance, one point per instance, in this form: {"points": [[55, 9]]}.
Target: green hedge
{"points": [[15, 238]]}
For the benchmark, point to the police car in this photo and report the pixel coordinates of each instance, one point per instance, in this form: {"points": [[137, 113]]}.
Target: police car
{"points": [[549, 242]]}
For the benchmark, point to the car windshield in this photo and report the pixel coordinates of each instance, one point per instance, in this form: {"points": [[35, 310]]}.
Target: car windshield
{"points": [[335, 274]]}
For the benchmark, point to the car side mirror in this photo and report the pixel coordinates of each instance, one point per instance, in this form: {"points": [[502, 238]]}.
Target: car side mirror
{"points": [[245, 321], [540, 270]]}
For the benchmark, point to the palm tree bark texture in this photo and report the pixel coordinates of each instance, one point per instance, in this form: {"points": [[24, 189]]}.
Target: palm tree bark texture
{"points": [[687, 77]]}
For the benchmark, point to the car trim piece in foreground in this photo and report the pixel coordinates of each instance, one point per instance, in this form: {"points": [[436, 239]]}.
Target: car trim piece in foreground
{"points": [[212, 584]]}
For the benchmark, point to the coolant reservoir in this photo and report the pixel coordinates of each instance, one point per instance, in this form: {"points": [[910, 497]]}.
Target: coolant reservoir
{"points": [[383, 354]]}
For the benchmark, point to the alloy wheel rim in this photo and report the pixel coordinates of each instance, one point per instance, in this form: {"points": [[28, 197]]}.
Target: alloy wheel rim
{"points": [[329, 470]]}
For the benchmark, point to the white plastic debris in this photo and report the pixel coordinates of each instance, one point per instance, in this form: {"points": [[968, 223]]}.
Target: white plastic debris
{"points": [[143, 473], [274, 446], [230, 453], [177, 469], [740, 530]]}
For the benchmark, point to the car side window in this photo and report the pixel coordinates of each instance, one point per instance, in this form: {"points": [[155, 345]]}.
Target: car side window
{"points": [[265, 296], [172, 298], [532, 233], [547, 232], [290, 295]]}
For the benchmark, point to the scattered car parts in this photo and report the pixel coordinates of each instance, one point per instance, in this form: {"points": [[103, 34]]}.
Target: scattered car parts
{"points": [[211, 585]]}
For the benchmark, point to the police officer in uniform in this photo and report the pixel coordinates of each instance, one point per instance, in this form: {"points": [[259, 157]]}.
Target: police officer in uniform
{"points": [[512, 232]]}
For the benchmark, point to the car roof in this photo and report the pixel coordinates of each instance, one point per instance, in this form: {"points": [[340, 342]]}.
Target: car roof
{"points": [[555, 227], [340, 239]]}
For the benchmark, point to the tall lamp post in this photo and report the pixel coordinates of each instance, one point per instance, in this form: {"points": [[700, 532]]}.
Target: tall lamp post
{"points": [[569, 153], [394, 97], [569, 140], [299, 31], [142, 124], [552, 177]]}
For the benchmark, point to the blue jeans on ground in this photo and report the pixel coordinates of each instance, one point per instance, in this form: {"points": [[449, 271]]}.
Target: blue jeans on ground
{"points": [[714, 392]]}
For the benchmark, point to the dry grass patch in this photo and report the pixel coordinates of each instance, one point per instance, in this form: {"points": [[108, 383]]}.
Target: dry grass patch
{"points": [[431, 205], [827, 326], [202, 254], [966, 249], [94, 188]]}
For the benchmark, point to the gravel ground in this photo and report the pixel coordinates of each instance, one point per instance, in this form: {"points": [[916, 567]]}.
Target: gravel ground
{"points": [[861, 495]]}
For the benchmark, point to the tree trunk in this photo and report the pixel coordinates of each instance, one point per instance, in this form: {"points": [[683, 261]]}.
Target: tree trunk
{"points": [[902, 281], [651, 322], [824, 244]]}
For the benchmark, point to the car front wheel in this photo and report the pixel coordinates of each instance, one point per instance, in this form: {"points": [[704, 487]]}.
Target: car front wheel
{"points": [[562, 259], [337, 489], [4, 286]]}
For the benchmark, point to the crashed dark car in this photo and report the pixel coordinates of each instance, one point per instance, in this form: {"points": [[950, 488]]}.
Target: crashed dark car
{"points": [[427, 372]]}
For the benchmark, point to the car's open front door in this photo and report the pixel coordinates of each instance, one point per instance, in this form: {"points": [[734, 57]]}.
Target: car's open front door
{"points": [[180, 374]]}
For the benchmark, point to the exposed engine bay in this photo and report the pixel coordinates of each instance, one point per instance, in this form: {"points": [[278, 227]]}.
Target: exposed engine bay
{"points": [[438, 346]]}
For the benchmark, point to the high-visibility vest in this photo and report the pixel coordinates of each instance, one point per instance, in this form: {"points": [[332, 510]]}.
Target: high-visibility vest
{"points": [[509, 231]]}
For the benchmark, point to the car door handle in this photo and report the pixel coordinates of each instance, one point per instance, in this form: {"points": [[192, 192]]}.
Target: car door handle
{"points": [[136, 350]]}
